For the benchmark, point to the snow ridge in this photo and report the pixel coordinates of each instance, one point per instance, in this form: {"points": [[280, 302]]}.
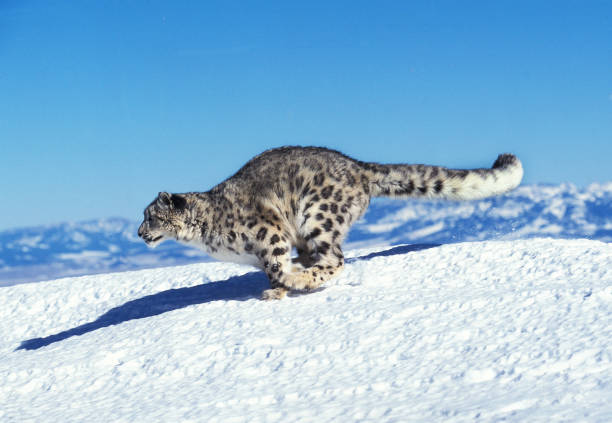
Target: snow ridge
{"points": [[484, 331]]}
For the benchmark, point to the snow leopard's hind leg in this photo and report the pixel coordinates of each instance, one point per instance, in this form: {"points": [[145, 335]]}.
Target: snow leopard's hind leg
{"points": [[325, 262]]}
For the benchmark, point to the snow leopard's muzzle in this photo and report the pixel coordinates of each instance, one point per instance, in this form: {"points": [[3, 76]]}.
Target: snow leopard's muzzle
{"points": [[151, 238]]}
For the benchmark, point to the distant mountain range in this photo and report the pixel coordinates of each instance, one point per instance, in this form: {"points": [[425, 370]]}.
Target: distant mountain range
{"points": [[111, 244], [558, 211]]}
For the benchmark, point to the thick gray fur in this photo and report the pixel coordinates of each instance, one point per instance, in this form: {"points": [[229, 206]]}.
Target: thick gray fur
{"points": [[307, 198]]}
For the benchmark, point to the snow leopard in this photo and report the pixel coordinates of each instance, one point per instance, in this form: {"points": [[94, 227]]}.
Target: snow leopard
{"points": [[288, 210]]}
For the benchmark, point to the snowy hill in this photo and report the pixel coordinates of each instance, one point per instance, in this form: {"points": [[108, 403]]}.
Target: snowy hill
{"points": [[484, 331], [106, 245]]}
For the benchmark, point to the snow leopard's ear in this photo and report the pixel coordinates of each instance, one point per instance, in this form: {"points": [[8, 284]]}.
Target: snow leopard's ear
{"points": [[173, 201], [163, 199]]}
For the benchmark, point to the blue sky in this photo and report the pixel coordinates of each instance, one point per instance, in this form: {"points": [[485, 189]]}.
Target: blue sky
{"points": [[106, 103]]}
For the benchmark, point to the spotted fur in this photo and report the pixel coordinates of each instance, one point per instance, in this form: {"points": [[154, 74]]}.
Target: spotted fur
{"points": [[305, 198]]}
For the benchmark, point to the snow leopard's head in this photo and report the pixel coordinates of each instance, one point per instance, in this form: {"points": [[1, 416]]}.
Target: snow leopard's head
{"points": [[163, 219]]}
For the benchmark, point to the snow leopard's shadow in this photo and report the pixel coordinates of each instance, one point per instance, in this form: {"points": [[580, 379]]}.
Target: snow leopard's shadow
{"points": [[398, 249], [238, 288]]}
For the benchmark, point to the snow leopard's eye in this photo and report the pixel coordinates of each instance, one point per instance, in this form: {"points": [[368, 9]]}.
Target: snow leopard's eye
{"points": [[153, 221]]}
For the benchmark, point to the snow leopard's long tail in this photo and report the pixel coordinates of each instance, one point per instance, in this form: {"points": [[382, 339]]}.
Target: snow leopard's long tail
{"points": [[400, 180]]}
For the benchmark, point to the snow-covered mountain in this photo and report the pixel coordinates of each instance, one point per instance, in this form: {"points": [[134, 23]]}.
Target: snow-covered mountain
{"points": [[105, 245], [71, 249], [513, 331], [559, 211]]}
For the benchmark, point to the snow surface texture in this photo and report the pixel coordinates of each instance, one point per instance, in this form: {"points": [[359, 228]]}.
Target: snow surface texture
{"points": [[561, 211], [484, 331]]}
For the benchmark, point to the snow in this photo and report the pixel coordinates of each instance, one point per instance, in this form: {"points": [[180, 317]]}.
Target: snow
{"points": [[484, 331], [30, 241], [428, 230], [84, 255]]}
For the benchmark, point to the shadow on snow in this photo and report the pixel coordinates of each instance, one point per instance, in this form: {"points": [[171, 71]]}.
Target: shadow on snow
{"points": [[400, 249], [237, 288]]}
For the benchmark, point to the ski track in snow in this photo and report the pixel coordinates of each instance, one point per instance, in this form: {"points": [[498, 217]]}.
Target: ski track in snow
{"points": [[485, 331]]}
